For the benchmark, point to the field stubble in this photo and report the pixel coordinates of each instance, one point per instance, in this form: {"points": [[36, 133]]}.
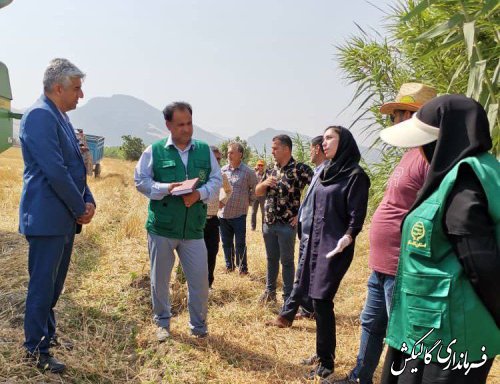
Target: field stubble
{"points": [[105, 308]]}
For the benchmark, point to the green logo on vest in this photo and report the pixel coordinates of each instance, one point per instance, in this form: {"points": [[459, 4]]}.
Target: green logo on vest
{"points": [[417, 233], [202, 175]]}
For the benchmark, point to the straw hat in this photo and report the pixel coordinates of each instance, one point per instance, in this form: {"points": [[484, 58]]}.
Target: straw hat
{"points": [[411, 97]]}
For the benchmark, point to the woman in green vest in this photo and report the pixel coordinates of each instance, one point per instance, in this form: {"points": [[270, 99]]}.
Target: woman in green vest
{"points": [[445, 312]]}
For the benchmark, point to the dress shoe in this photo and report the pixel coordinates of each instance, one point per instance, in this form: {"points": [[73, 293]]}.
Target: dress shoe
{"points": [[46, 362], [279, 322]]}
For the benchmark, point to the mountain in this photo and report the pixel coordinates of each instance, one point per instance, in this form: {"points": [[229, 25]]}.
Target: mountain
{"points": [[118, 115]]}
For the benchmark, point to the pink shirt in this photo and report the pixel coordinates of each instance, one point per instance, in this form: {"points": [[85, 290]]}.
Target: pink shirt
{"points": [[402, 187]]}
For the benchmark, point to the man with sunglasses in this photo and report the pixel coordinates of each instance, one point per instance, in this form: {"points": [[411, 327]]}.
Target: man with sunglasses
{"points": [[385, 238]]}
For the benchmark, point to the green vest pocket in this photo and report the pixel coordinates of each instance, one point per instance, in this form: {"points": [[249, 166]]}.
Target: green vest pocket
{"points": [[421, 321], [166, 172], [427, 303], [163, 221], [435, 285]]}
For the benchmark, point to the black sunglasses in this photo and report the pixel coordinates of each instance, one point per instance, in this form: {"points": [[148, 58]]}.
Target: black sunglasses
{"points": [[392, 116]]}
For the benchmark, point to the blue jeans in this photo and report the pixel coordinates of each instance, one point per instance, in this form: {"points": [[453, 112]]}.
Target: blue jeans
{"points": [[279, 239], [373, 326], [233, 233]]}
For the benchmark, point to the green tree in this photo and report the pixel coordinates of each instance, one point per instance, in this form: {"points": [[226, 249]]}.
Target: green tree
{"points": [[452, 45], [300, 149], [113, 152], [132, 147], [462, 41]]}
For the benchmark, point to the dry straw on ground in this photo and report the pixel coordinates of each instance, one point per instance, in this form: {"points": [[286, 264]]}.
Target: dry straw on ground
{"points": [[105, 308]]}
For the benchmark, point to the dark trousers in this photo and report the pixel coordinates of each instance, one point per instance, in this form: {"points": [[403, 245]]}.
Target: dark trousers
{"points": [[48, 262], [212, 240], [298, 298], [325, 332], [258, 202], [233, 234]]}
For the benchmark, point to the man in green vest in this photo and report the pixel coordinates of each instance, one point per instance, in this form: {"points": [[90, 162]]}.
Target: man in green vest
{"points": [[176, 222]]}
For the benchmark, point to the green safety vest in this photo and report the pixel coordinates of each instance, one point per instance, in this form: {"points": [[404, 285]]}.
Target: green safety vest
{"points": [[431, 291], [169, 217]]}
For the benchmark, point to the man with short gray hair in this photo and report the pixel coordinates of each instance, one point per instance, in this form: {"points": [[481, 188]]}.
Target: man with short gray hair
{"points": [[55, 203], [233, 215]]}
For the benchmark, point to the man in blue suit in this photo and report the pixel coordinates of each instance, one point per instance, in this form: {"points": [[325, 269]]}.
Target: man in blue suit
{"points": [[55, 203]]}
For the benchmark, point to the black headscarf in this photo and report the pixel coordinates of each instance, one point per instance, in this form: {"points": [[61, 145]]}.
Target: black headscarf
{"points": [[463, 132], [345, 162]]}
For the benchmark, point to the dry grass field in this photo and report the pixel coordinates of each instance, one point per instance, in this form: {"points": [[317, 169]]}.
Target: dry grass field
{"points": [[105, 308]]}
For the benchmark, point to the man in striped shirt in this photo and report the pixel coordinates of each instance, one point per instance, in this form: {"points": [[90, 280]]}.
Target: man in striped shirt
{"points": [[233, 215]]}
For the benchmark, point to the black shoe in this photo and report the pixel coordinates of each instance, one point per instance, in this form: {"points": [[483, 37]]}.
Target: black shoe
{"points": [[320, 371], [311, 360], [55, 342], [46, 362]]}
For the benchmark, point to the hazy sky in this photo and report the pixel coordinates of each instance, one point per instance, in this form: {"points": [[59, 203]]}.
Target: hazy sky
{"points": [[243, 65]]}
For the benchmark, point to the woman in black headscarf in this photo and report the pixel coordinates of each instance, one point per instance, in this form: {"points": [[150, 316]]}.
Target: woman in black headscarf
{"points": [[340, 201], [445, 311]]}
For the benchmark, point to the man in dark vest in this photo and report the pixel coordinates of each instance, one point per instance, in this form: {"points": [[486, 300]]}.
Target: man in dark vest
{"points": [[177, 222]]}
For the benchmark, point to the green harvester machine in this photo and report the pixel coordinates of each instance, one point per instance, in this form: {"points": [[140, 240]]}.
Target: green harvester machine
{"points": [[6, 115]]}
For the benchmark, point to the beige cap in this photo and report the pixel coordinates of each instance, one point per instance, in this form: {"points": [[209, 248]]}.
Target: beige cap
{"points": [[411, 97]]}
